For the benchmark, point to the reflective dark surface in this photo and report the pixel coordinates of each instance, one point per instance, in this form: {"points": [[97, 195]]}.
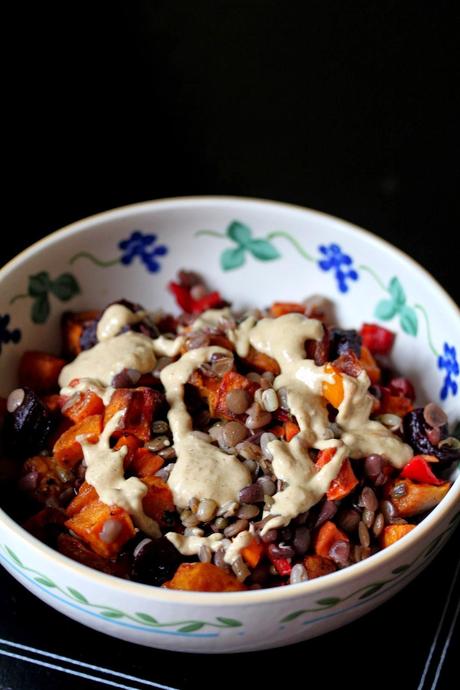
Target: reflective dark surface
{"points": [[347, 108]]}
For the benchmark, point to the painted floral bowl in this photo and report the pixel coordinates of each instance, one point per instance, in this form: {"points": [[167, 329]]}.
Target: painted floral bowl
{"points": [[254, 252]]}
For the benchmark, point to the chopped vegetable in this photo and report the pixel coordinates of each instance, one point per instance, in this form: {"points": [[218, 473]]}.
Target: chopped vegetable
{"points": [[39, 371], [326, 536], [92, 526], [139, 405], [419, 470], [333, 392], [83, 404], [67, 449], [317, 566], [253, 552], [345, 481], [392, 533], [377, 339], [204, 577], [410, 498]]}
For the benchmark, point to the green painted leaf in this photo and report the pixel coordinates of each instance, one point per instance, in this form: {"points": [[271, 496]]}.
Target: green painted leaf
{"points": [[77, 595], [329, 601], [386, 309], [45, 581], [191, 627], [231, 622], [400, 569], [292, 616], [40, 308], [409, 320], [239, 233], [372, 589], [113, 614], [147, 618], [65, 287], [13, 556], [232, 258], [396, 290], [39, 284], [263, 250]]}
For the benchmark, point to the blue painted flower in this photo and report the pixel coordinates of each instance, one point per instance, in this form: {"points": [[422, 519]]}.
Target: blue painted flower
{"points": [[449, 362], [7, 336], [335, 259], [144, 247]]}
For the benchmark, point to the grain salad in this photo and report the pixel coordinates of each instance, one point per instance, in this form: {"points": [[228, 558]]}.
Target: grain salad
{"points": [[219, 450]]}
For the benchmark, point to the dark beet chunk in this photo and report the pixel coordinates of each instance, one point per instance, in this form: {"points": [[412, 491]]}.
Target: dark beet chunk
{"points": [[28, 427], [88, 336], [416, 431], [342, 341], [156, 562]]}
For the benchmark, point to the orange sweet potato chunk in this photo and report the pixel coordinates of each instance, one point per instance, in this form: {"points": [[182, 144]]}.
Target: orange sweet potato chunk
{"points": [[83, 404], [158, 500], [204, 577], [86, 494], [89, 522], [325, 538], [316, 566], [140, 405], [39, 371], [282, 308], [67, 450], [260, 362], [145, 463], [393, 533], [345, 481], [411, 498]]}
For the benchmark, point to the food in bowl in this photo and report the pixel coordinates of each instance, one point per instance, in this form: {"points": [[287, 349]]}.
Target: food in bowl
{"points": [[222, 451]]}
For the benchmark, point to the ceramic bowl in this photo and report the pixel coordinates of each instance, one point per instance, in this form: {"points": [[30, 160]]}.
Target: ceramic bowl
{"points": [[254, 252]]}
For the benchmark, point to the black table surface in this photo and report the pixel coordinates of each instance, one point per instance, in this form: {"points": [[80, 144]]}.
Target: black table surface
{"points": [[350, 108]]}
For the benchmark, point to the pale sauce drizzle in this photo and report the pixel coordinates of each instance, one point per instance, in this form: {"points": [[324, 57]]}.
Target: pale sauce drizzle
{"points": [[104, 471], [201, 470]]}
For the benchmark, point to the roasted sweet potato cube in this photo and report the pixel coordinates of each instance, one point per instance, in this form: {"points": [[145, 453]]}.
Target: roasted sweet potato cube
{"points": [[131, 443], [411, 498], [326, 536], [140, 406], [82, 404], [345, 481], [86, 494], [316, 566], [72, 326], [145, 463], [203, 577], [231, 381], [282, 308], [75, 549], [207, 386], [257, 361], [39, 371], [67, 450], [158, 500], [89, 523], [392, 533]]}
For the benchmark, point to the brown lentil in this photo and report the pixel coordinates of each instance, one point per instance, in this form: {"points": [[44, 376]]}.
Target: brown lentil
{"points": [[434, 415], [368, 517], [206, 510], [159, 426], [248, 511], [236, 527], [368, 499], [237, 401], [253, 493], [379, 524], [363, 533], [205, 554], [233, 433], [240, 569]]}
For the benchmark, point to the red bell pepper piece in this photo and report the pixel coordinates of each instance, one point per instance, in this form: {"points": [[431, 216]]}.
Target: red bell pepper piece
{"points": [[283, 566], [419, 470], [377, 339], [191, 305]]}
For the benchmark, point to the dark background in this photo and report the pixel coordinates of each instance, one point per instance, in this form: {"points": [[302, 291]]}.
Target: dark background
{"points": [[346, 107]]}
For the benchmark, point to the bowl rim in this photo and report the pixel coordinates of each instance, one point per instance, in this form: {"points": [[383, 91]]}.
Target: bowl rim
{"points": [[276, 594]]}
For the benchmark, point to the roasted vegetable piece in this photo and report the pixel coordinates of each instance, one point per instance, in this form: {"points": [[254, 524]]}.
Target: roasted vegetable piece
{"points": [[411, 499], [145, 463], [333, 392], [419, 470], [368, 363], [316, 566], [345, 481], [75, 549], [379, 340], [104, 528], [81, 405], [39, 371], [253, 553], [416, 432], [158, 500], [342, 341], [281, 308], [258, 361], [194, 306], [392, 533], [26, 430], [86, 494], [132, 445], [231, 381], [395, 404], [67, 449], [326, 536], [204, 577], [73, 326], [155, 561], [44, 480], [140, 406]]}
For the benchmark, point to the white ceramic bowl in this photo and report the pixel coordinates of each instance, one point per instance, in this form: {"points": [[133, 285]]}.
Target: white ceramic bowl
{"points": [[296, 252]]}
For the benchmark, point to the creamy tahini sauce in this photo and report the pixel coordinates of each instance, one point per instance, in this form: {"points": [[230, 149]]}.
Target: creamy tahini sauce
{"points": [[83, 385], [239, 336], [104, 471], [212, 318], [239, 542], [191, 545], [201, 470], [104, 360], [284, 340], [114, 319]]}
